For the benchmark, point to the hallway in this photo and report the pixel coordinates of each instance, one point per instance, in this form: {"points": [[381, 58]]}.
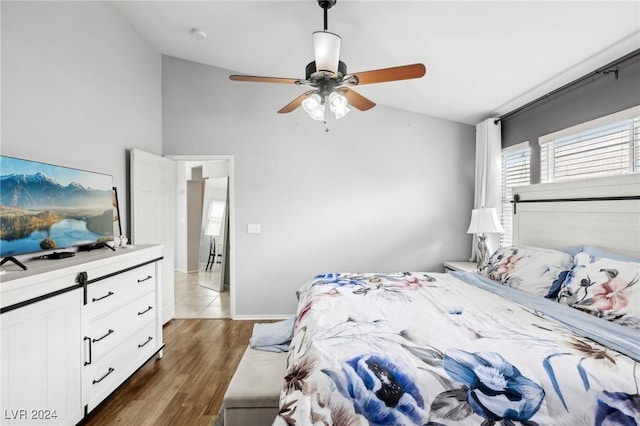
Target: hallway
{"points": [[192, 300]]}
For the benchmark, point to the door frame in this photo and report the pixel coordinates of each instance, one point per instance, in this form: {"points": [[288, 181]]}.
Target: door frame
{"points": [[232, 214]]}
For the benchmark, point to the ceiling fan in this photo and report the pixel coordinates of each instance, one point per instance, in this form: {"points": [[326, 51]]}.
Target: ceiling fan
{"points": [[328, 77]]}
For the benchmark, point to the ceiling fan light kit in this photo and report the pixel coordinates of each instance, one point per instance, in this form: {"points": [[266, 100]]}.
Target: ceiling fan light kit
{"points": [[316, 107], [328, 76]]}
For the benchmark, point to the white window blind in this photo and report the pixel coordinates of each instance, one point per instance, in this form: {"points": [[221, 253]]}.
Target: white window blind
{"points": [[603, 147], [515, 172]]}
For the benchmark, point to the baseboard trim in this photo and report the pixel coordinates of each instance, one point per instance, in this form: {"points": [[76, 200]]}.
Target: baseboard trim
{"points": [[261, 317]]}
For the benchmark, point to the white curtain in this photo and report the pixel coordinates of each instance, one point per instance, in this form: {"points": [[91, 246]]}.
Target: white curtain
{"points": [[488, 175]]}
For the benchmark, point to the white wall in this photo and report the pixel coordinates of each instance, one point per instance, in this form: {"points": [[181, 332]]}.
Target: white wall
{"points": [[384, 190], [79, 87]]}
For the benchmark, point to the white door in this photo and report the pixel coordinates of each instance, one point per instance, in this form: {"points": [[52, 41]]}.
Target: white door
{"points": [[152, 214]]}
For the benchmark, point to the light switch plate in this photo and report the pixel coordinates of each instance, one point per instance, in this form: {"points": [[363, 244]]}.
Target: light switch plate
{"points": [[253, 228]]}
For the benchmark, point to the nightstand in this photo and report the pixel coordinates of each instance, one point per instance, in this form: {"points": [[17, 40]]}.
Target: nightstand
{"points": [[461, 266]]}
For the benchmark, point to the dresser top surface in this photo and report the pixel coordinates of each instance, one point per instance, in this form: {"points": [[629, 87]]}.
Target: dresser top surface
{"points": [[10, 273]]}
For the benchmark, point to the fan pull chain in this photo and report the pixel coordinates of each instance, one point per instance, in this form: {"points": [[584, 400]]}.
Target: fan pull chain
{"points": [[326, 110]]}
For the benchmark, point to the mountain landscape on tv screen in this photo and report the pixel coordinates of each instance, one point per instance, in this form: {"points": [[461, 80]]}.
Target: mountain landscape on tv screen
{"points": [[39, 191], [39, 213]]}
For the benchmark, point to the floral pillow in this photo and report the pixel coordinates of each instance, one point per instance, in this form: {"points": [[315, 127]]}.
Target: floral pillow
{"points": [[534, 270], [605, 288]]}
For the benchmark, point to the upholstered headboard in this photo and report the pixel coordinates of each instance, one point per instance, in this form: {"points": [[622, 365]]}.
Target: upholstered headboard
{"points": [[602, 212]]}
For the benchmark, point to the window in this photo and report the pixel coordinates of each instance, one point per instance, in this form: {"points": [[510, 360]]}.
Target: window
{"points": [[515, 172], [604, 147]]}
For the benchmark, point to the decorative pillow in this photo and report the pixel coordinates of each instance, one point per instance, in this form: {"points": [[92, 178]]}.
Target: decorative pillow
{"points": [[600, 252], [597, 252], [605, 288], [572, 250], [534, 270]]}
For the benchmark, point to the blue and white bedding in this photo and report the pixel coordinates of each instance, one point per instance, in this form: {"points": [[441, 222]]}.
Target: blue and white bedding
{"points": [[431, 349]]}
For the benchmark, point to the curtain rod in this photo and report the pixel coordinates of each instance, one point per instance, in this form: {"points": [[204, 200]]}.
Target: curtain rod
{"points": [[607, 69]]}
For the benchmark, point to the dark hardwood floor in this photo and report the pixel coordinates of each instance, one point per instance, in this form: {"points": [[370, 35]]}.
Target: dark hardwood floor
{"points": [[187, 385]]}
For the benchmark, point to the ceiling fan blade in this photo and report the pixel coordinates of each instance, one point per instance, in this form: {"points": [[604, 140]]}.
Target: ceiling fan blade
{"points": [[295, 103], [257, 79], [356, 100], [403, 72]]}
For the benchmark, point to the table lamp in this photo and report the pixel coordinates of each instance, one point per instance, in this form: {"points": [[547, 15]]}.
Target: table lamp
{"points": [[484, 221]]}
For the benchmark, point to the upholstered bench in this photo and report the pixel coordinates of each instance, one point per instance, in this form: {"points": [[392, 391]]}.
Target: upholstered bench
{"points": [[254, 391]]}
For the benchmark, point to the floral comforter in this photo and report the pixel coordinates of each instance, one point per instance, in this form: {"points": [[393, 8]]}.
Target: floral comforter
{"points": [[428, 349]]}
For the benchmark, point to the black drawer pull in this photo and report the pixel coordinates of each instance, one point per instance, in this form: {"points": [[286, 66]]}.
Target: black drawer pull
{"points": [[147, 341], [145, 279], [111, 370], [90, 356], [100, 338], [146, 310], [103, 297]]}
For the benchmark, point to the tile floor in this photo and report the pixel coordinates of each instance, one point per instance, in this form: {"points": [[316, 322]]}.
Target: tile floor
{"points": [[192, 300]]}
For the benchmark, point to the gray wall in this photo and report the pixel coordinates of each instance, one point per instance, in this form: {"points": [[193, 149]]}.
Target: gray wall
{"points": [[79, 87], [589, 100], [384, 190]]}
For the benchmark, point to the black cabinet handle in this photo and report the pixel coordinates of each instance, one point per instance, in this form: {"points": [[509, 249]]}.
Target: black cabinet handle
{"points": [[90, 357], [103, 297], [145, 279], [111, 370], [146, 310], [147, 341], [100, 338]]}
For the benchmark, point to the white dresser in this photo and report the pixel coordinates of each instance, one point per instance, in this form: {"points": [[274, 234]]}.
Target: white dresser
{"points": [[73, 330]]}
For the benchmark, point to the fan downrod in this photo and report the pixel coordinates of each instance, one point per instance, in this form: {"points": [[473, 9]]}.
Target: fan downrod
{"points": [[326, 5]]}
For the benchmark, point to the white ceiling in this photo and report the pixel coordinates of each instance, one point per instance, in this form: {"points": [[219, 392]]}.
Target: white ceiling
{"points": [[483, 58]]}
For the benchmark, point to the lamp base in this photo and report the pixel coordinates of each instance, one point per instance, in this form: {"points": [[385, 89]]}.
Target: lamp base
{"points": [[483, 255]]}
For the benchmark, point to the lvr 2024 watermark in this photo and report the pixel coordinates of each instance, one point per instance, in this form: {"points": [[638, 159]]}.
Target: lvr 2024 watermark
{"points": [[22, 414]]}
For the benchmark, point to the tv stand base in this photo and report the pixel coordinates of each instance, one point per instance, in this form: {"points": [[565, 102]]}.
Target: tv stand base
{"points": [[14, 260]]}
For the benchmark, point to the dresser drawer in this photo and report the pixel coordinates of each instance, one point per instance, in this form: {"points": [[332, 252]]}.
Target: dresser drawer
{"points": [[103, 376], [110, 293], [110, 330]]}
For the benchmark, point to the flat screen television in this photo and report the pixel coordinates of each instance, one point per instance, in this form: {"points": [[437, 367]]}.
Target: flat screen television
{"points": [[44, 207]]}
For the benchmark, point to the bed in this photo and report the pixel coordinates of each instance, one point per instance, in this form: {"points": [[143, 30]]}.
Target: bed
{"points": [[541, 336]]}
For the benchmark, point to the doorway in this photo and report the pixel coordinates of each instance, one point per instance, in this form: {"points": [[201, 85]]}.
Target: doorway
{"points": [[204, 275]]}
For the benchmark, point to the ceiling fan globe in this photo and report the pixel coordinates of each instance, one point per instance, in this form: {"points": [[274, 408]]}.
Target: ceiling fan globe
{"points": [[338, 104], [314, 107]]}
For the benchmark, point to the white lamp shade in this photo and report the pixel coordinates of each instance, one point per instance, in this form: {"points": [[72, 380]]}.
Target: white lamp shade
{"points": [[337, 100], [314, 107], [318, 113], [338, 104], [484, 221], [326, 47], [311, 103]]}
